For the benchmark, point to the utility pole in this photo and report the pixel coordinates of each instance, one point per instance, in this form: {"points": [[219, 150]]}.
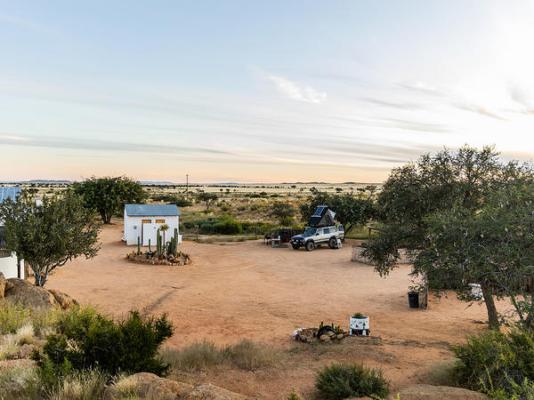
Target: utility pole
{"points": [[186, 183]]}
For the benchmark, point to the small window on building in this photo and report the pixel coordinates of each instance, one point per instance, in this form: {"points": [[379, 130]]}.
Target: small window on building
{"points": [[160, 221], [146, 221]]}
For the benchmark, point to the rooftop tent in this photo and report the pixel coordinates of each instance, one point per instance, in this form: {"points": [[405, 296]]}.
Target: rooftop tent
{"points": [[323, 216]]}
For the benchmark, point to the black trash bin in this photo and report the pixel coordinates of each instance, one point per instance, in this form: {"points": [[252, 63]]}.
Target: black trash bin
{"points": [[413, 299]]}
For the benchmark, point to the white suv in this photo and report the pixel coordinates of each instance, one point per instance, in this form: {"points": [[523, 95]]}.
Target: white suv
{"points": [[314, 237]]}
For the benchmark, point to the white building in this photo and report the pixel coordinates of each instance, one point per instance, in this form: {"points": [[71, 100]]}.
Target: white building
{"points": [[8, 260], [142, 221]]}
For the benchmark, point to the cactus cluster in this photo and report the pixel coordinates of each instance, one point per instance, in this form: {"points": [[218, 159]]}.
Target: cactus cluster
{"points": [[172, 246]]}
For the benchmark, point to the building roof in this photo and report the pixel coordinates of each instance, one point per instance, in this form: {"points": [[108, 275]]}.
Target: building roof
{"points": [[151, 210], [9, 193]]}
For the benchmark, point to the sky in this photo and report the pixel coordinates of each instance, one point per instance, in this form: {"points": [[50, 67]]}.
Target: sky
{"points": [[259, 91]]}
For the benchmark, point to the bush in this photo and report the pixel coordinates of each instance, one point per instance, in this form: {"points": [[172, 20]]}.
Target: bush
{"points": [[180, 201], [494, 361], [340, 381], [88, 340], [225, 225]]}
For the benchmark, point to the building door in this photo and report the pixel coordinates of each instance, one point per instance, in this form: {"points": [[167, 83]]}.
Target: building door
{"points": [[148, 232]]}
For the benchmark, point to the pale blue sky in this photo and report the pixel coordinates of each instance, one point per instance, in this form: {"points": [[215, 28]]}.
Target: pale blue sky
{"points": [[259, 91]]}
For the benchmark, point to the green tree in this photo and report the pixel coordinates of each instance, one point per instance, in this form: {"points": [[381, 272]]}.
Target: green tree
{"points": [[350, 210], [207, 198], [493, 247], [284, 212], [50, 234], [423, 203], [108, 195]]}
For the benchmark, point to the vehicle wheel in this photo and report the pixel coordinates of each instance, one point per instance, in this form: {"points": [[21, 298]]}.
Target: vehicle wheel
{"points": [[332, 243], [295, 246], [310, 246]]}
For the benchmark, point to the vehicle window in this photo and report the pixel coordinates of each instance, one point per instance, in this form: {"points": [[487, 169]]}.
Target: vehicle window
{"points": [[326, 231], [310, 231]]}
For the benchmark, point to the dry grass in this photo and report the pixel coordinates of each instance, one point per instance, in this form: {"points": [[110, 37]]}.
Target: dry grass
{"points": [[12, 317], [19, 383], [245, 355], [442, 373], [250, 356], [88, 385]]}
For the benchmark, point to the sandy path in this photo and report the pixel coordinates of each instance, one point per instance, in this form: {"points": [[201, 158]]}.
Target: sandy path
{"points": [[248, 290]]}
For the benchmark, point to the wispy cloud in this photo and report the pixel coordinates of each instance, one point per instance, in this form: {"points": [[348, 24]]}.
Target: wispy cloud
{"points": [[297, 91], [478, 109], [102, 145]]}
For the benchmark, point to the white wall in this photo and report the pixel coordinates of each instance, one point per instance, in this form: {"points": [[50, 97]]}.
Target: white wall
{"points": [[134, 228], [8, 267]]}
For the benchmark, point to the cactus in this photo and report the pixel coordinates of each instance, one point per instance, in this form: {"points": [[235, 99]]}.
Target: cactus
{"points": [[138, 245], [149, 245], [159, 246], [175, 237]]}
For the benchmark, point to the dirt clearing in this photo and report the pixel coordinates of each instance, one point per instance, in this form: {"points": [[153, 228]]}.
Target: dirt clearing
{"points": [[250, 291]]}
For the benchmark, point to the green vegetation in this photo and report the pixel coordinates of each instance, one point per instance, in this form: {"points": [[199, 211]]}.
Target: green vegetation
{"points": [[351, 210], [441, 210], [87, 340], [499, 364], [207, 198], [284, 212], [12, 317], [49, 235], [341, 381], [180, 201], [108, 195]]}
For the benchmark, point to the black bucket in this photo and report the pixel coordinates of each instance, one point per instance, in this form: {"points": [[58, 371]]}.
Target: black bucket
{"points": [[413, 299]]}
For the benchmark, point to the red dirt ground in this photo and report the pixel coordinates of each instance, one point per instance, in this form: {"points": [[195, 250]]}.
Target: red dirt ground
{"points": [[248, 290]]}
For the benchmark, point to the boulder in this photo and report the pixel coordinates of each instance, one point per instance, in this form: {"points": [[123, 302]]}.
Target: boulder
{"points": [[2, 285], [211, 392], [24, 293], [430, 392], [63, 299], [145, 385]]}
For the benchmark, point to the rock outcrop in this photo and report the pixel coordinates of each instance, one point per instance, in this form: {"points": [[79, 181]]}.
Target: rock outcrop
{"points": [[24, 293], [31, 296], [430, 392], [63, 299], [149, 386]]}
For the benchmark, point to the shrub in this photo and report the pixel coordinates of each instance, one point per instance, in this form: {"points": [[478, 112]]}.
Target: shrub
{"points": [[12, 317], [88, 340], [340, 381], [180, 201], [494, 361], [225, 225]]}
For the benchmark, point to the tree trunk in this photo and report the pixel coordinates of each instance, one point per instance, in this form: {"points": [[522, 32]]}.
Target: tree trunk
{"points": [[493, 315]]}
